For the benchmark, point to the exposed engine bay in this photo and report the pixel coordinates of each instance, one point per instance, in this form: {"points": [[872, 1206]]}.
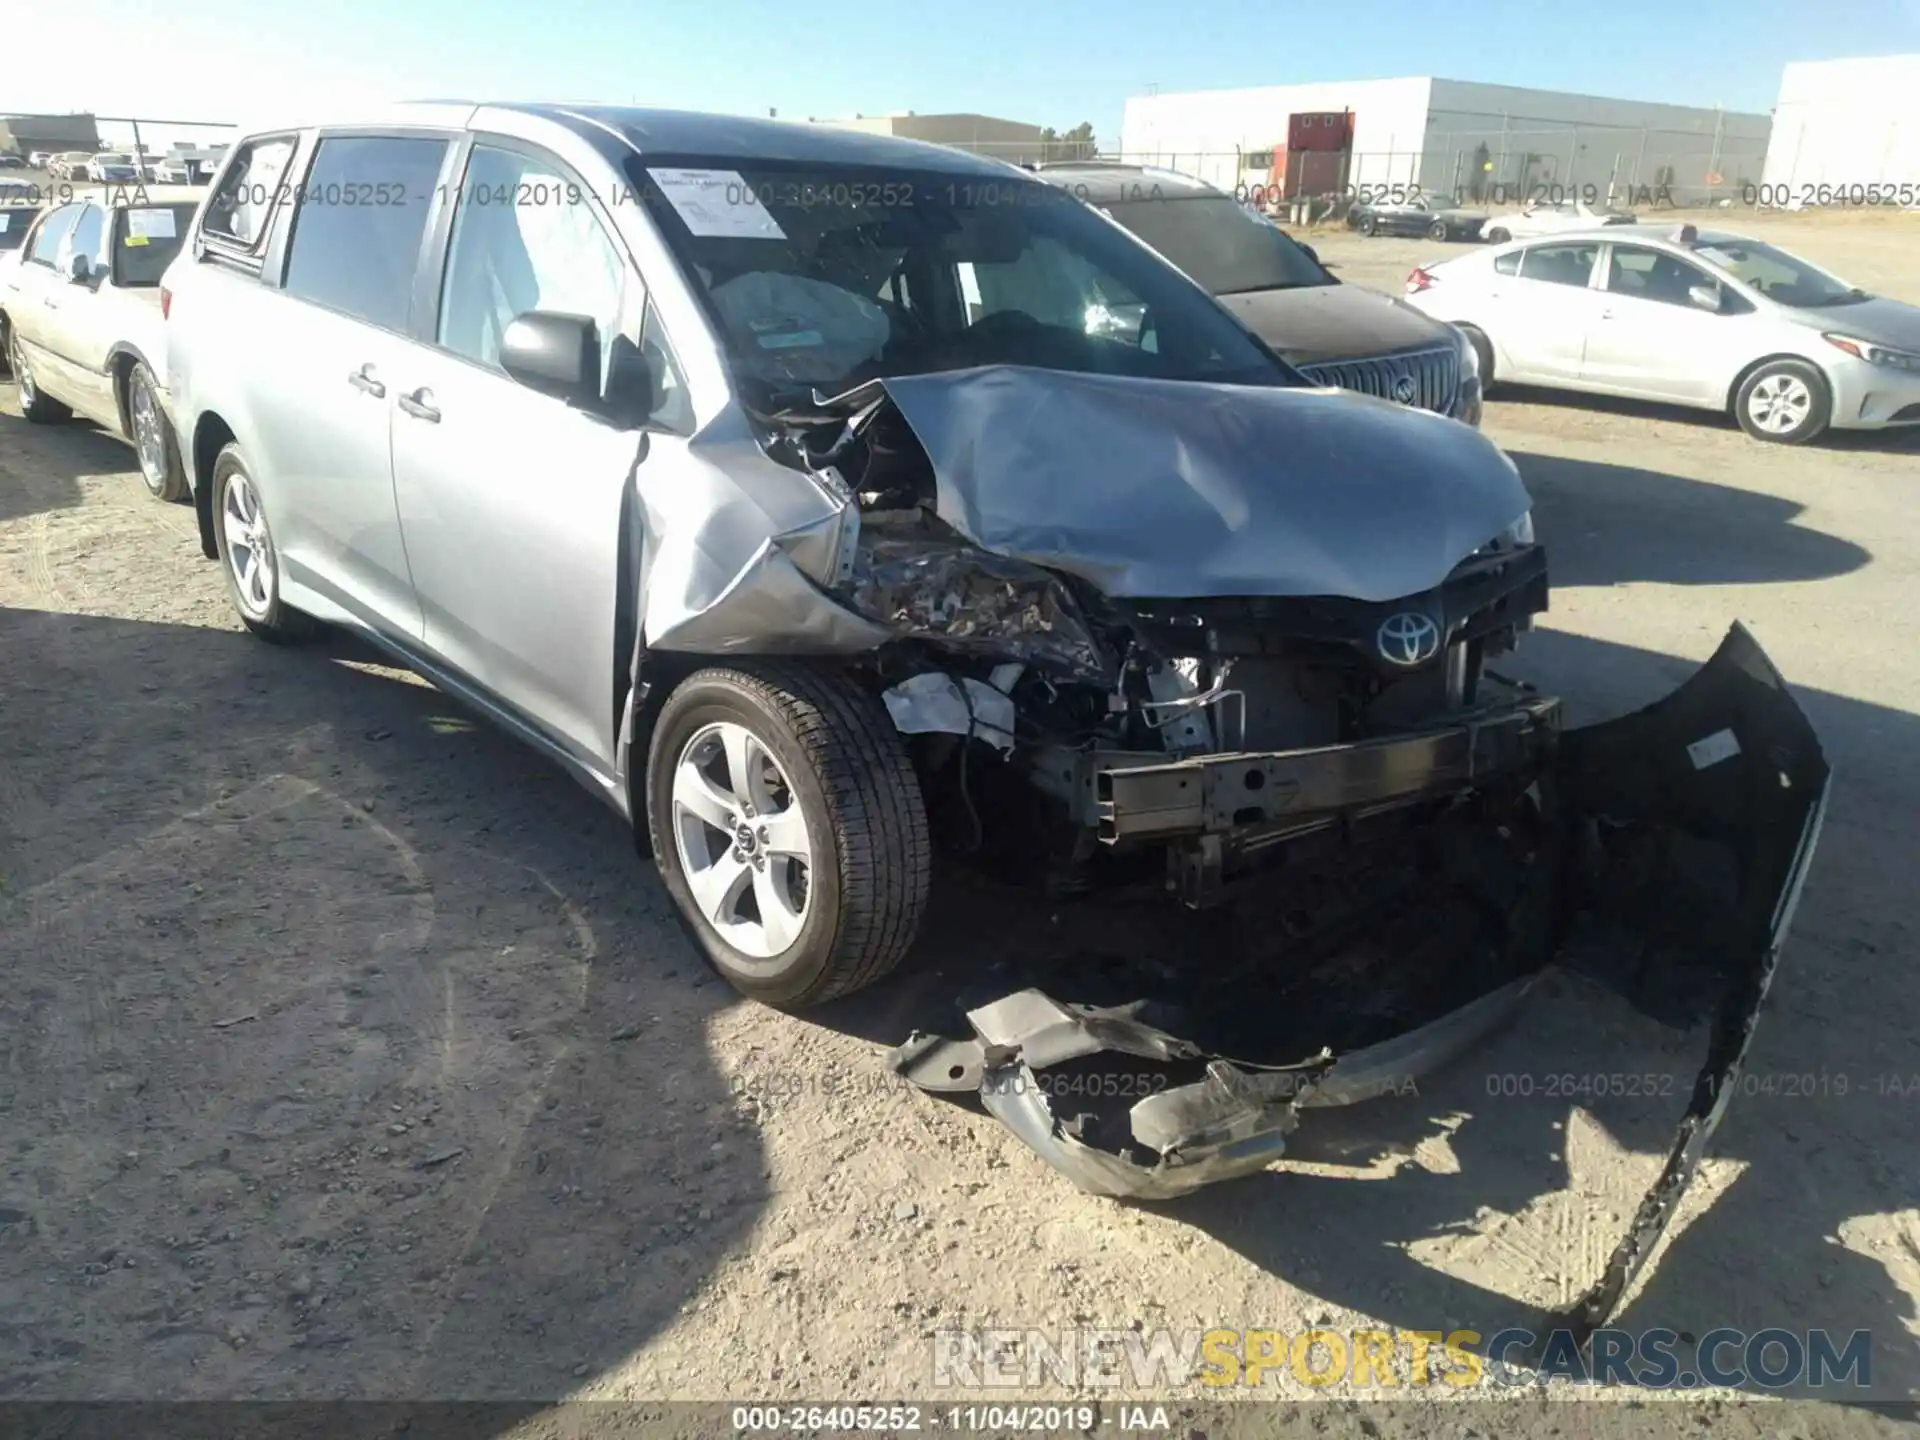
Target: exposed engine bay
{"points": [[1200, 734], [1126, 656]]}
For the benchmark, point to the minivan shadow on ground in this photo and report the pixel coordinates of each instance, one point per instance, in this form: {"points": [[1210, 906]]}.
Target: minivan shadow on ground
{"points": [[1609, 524], [350, 1052]]}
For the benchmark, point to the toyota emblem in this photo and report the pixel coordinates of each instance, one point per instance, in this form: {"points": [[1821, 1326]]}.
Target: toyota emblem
{"points": [[1407, 639], [1404, 390]]}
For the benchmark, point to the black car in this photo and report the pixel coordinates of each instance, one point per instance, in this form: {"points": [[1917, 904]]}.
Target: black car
{"points": [[1415, 215], [1340, 335]]}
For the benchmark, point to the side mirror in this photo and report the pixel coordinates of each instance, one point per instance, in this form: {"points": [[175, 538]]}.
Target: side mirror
{"points": [[558, 355], [1705, 297], [79, 270]]}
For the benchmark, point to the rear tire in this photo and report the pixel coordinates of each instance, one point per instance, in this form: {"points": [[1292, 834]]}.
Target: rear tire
{"points": [[35, 404], [1437, 230], [1368, 225], [1498, 236], [248, 557], [822, 774], [1786, 402]]}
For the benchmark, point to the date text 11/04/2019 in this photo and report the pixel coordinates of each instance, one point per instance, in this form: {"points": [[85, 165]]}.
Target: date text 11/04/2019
{"points": [[1785, 1085]]}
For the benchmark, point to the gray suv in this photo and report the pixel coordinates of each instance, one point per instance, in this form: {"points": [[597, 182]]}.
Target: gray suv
{"points": [[771, 479], [1335, 334]]}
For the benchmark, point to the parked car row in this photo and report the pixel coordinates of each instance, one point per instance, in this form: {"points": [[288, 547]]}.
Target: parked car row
{"points": [[80, 316], [1703, 318]]}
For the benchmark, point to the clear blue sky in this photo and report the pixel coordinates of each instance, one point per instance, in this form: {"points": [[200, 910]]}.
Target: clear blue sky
{"points": [[1054, 62]]}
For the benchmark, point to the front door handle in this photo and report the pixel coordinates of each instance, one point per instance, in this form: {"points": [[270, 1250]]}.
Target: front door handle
{"points": [[420, 405], [363, 379]]}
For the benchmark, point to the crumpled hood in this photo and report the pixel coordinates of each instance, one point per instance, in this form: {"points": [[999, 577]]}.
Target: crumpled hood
{"points": [[1161, 488]]}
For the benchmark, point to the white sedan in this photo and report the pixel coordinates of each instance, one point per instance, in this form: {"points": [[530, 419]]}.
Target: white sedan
{"points": [[1691, 317], [81, 319], [1551, 218]]}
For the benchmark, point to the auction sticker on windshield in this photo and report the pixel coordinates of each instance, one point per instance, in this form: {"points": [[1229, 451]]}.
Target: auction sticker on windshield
{"points": [[717, 202], [144, 226]]}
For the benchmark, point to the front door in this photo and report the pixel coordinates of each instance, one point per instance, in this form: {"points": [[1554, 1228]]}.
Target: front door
{"points": [[511, 500], [1655, 338]]}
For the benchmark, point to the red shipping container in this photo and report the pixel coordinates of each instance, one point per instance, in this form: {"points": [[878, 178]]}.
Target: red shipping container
{"points": [[1320, 130]]}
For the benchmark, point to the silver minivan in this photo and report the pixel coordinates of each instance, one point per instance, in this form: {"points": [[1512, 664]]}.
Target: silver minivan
{"points": [[770, 478]]}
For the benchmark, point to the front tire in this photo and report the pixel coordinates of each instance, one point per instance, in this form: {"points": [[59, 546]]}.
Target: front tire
{"points": [[789, 829], [35, 404], [1786, 402], [1369, 225], [248, 556], [1437, 230], [1499, 235], [153, 438]]}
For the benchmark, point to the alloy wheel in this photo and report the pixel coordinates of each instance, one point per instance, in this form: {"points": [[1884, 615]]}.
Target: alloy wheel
{"points": [[22, 377], [742, 840], [149, 436], [249, 546], [1780, 404]]}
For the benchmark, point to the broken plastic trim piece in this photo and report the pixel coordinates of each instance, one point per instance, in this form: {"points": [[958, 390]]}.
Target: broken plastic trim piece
{"points": [[1759, 789]]}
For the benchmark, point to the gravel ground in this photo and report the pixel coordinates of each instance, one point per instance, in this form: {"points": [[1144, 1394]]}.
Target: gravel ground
{"points": [[351, 1052]]}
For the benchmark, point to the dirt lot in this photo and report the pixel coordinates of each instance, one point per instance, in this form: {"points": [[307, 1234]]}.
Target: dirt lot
{"points": [[350, 1051]]}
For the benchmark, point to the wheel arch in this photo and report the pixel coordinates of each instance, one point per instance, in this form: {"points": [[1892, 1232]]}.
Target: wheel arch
{"points": [[211, 434], [120, 362]]}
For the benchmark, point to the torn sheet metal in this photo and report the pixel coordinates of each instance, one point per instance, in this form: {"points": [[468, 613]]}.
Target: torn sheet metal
{"points": [[737, 550], [1175, 488], [973, 602], [1761, 798], [935, 703]]}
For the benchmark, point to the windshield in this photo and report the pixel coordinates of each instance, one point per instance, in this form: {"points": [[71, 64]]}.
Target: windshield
{"points": [[824, 277], [145, 240], [1220, 243], [1783, 278]]}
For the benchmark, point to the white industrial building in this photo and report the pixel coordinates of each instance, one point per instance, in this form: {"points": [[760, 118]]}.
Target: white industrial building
{"points": [[1847, 123], [1488, 142]]}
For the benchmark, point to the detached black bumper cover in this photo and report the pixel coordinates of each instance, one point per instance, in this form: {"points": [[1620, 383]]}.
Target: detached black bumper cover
{"points": [[1727, 763]]}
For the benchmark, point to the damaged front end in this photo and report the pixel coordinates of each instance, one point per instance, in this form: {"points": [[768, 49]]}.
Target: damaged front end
{"points": [[1665, 852], [1230, 646]]}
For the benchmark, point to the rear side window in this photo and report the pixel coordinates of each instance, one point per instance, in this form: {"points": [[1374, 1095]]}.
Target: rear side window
{"points": [[59, 225], [363, 213], [1507, 264], [1560, 264], [244, 202]]}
